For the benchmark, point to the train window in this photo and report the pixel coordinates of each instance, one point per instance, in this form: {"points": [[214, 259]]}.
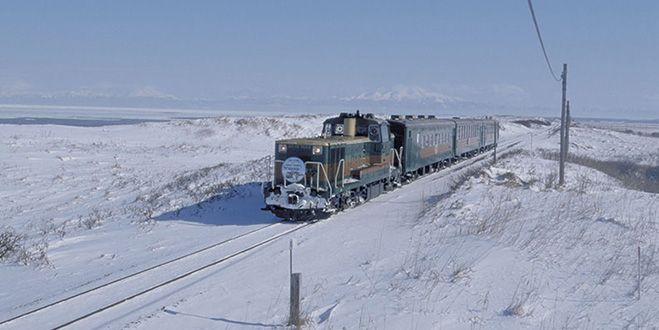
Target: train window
{"points": [[374, 133]]}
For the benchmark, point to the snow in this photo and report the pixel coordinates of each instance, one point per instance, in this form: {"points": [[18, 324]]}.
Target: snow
{"points": [[486, 246]]}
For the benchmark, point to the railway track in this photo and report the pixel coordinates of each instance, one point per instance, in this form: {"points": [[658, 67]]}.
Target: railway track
{"points": [[93, 301], [85, 305]]}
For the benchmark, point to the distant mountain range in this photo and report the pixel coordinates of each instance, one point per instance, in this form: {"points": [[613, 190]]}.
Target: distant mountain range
{"points": [[400, 94], [397, 100]]}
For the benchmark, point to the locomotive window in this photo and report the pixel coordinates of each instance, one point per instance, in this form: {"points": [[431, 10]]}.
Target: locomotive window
{"points": [[328, 129]]}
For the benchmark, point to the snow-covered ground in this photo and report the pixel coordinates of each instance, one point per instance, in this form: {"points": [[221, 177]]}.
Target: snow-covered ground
{"points": [[506, 249]]}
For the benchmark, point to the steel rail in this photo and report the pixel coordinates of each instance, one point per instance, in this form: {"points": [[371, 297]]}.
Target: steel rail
{"points": [[180, 277], [138, 273]]}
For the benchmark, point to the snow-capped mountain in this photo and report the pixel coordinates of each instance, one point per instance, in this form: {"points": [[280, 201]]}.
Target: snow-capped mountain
{"points": [[402, 93]]}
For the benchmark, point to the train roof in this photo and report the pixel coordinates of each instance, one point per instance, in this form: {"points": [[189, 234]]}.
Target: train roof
{"points": [[432, 120], [460, 121], [419, 120]]}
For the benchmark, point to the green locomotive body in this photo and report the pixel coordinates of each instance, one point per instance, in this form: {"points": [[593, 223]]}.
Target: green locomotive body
{"points": [[351, 162]]}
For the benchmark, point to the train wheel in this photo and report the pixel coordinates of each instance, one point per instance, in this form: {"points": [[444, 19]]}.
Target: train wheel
{"points": [[363, 195], [353, 199]]}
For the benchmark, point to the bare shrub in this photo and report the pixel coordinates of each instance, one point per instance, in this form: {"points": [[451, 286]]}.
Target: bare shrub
{"points": [[49, 227], [34, 254], [94, 219], [519, 305], [10, 242], [513, 153], [583, 182], [459, 271], [15, 247], [550, 180]]}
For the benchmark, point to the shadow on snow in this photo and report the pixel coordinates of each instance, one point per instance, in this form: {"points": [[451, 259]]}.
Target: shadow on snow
{"points": [[239, 205], [221, 319]]}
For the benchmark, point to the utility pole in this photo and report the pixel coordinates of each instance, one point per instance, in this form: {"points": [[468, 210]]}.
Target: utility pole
{"points": [[561, 180], [568, 122]]}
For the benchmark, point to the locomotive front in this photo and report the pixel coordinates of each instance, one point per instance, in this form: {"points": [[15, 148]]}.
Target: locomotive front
{"points": [[300, 185], [314, 177]]}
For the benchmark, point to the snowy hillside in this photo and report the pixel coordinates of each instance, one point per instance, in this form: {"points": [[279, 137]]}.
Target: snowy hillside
{"points": [[479, 246]]}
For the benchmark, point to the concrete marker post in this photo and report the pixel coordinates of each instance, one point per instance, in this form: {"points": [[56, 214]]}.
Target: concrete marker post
{"points": [[296, 283]]}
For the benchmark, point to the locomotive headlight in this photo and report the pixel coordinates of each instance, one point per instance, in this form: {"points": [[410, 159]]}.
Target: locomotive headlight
{"points": [[282, 148], [317, 150]]}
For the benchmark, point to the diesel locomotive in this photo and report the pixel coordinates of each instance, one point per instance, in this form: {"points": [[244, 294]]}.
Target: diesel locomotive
{"points": [[358, 157]]}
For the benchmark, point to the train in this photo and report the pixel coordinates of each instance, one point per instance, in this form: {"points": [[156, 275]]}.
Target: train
{"points": [[357, 157]]}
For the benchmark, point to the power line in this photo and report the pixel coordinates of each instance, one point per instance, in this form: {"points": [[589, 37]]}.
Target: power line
{"points": [[541, 43]]}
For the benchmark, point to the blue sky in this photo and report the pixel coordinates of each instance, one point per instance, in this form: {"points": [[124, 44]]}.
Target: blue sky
{"points": [[480, 51]]}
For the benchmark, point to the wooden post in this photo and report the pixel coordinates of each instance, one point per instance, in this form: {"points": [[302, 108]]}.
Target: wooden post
{"points": [[495, 154], [296, 283], [291, 258]]}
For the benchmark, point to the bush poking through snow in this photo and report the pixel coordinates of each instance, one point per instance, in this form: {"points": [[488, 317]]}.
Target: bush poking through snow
{"points": [[15, 247], [550, 180], [519, 305], [94, 219], [10, 242]]}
